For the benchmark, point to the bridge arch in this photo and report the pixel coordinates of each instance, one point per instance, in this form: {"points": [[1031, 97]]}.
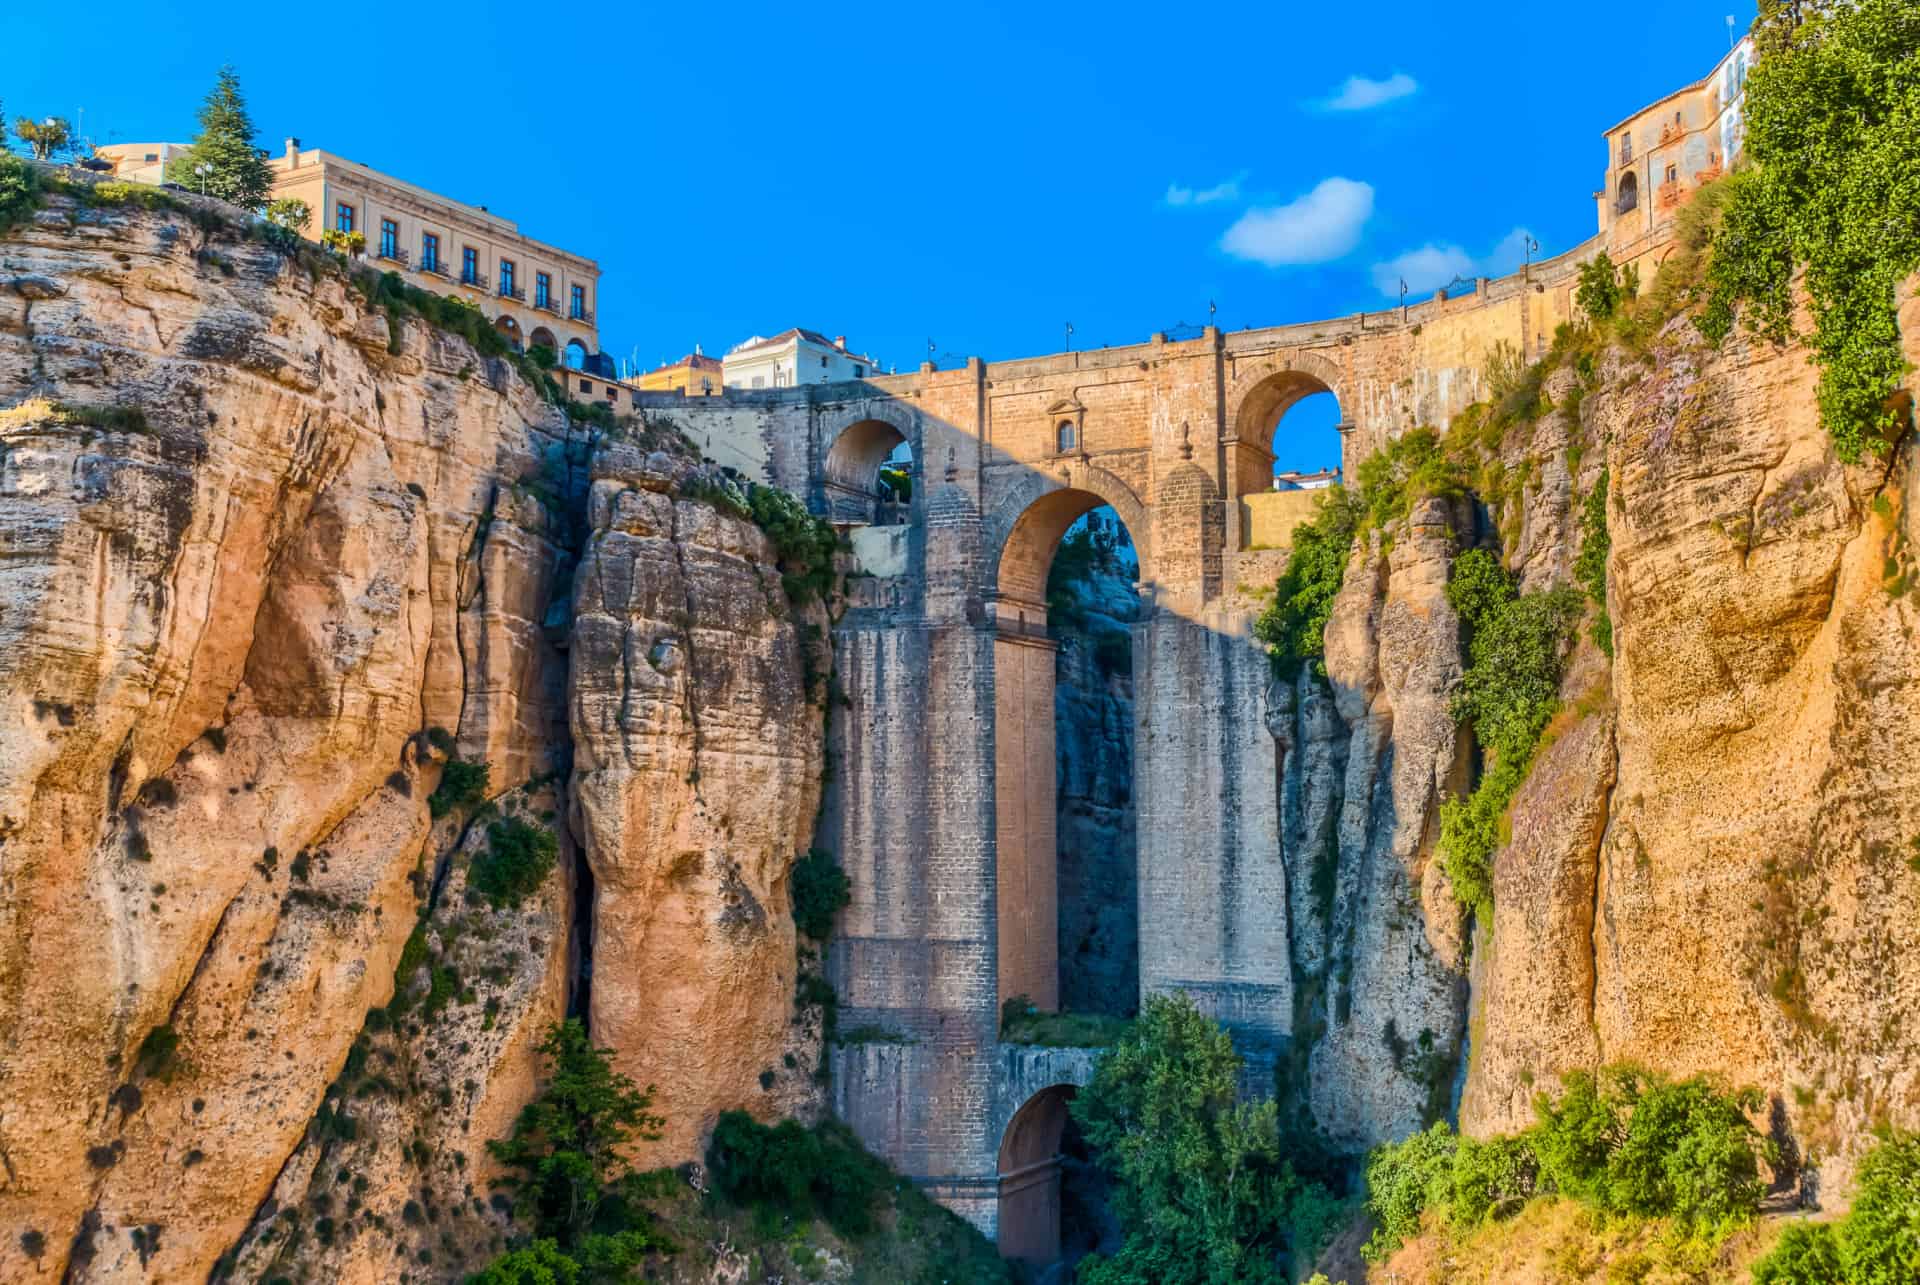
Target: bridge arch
{"points": [[1024, 528], [1029, 1173], [1260, 401], [855, 444]]}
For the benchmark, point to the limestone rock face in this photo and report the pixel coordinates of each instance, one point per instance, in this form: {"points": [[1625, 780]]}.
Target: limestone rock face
{"points": [[258, 544], [1734, 830], [1389, 980], [696, 783]]}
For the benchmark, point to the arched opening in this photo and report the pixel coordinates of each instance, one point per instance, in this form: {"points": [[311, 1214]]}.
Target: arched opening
{"points": [[509, 330], [1052, 1196], [1065, 437], [1628, 194], [1290, 448], [575, 355], [870, 475], [1063, 694], [543, 338]]}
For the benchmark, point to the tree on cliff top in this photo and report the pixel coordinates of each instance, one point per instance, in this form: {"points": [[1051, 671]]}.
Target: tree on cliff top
{"points": [[1832, 125], [237, 173]]}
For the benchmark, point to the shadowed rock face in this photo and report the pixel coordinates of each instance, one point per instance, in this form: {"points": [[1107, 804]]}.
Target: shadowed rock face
{"points": [[225, 624], [1093, 739]]}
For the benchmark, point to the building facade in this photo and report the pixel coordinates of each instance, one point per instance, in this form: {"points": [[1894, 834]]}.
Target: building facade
{"points": [[534, 293], [1665, 151], [696, 375], [794, 357]]}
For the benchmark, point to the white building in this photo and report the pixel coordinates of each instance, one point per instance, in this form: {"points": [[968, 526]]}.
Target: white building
{"points": [[793, 357]]}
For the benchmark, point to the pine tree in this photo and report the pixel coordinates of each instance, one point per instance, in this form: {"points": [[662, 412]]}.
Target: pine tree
{"points": [[236, 171]]}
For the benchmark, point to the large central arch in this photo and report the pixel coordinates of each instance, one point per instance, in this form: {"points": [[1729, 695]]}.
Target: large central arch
{"points": [[1025, 530]]}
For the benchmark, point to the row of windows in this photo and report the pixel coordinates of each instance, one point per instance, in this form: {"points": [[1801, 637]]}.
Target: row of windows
{"points": [[344, 218]]}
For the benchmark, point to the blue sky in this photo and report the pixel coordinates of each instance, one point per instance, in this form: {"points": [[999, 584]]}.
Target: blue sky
{"points": [[978, 176]]}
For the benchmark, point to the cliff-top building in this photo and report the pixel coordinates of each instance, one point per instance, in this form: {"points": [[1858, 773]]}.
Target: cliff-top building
{"points": [[1665, 151], [794, 357], [696, 375], [534, 293]]}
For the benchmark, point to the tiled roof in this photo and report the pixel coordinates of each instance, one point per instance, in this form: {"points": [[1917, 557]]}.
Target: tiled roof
{"points": [[797, 332]]}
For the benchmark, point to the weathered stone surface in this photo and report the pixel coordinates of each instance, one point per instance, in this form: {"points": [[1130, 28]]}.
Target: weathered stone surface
{"points": [[696, 781]]}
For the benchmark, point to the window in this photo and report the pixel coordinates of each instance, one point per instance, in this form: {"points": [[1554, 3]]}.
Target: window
{"points": [[1673, 173], [1626, 148], [430, 252], [470, 266], [577, 307], [152, 157], [859, 372], [1066, 435], [1629, 194], [586, 385], [543, 290], [343, 217], [823, 363], [506, 278], [389, 239]]}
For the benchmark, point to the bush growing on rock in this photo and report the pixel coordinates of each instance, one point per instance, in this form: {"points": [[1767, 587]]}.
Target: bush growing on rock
{"points": [[1877, 1243], [462, 784], [821, 890], [518, 859], [787, 1168]]}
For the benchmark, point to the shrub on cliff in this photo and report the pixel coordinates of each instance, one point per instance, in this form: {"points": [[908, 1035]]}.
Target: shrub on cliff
{"points": [[820, 890], [1200, 1186], [1509, 689], [1877, 1243], [19, 191], [462, 784], [1294, 626], [518, 859], [1832, 127], [572, 1183], [789, 1169], [804, 544]]}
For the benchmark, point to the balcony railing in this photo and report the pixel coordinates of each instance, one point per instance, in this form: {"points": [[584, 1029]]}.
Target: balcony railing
{"points": [[434, 266], [580, 314], [470, 279], [517, 294], [393, 254], [545, 303]]}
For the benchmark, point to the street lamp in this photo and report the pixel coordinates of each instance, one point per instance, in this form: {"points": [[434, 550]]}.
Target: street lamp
{"points": [[203, 169]]}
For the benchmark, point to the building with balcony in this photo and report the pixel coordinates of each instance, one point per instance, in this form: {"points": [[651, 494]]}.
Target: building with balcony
{"points": [[1663, 152], [794, 357], [534, 293], [695, 375]]}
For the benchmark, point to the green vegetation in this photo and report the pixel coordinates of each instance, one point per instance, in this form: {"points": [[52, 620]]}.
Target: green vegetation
{"points": [[518, 859], [573, 1187], [820, 890], [804, 544], [1022, 1023], [1201, 1186], [236, 172], [462, 784], [159, 1055], [19, 191], [1833, 137], [1604, 287], [1625, 1143], [45, 138], [789, 1169], [1590, 564], [1877, 1243], [1509, 689], [1293, 627]]}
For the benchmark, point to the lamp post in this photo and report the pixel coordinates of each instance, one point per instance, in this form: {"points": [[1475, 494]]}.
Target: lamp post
{"points": [[203, 169]]}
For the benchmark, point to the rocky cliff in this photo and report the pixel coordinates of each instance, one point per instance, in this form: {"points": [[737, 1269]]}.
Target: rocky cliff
{"points": [[275, 563]]}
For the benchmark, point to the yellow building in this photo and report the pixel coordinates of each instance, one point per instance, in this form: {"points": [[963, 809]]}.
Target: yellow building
{"points": [[696, 375], [1664, 151], [535, 293]]}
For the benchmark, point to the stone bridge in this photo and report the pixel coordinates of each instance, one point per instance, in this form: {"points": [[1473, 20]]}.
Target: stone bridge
{"points": [[941, 803]]}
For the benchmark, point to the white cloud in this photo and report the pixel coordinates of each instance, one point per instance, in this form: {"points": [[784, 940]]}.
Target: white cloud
{"points": [[1360, 93], [1434, 265], [1228, 190], [1322, 225]]}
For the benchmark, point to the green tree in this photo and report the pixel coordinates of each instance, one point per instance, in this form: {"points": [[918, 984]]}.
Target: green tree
{"points": [[1200, 1186], [1832, 126], [540, 1263], [1598, 293], [236, 172], [48, 138], [574, 1185], [1294, 628], [1880, 1239], [287, 219]]}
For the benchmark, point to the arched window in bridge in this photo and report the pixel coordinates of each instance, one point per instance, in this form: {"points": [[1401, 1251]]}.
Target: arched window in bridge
{"points": [[1065, 438], [1629, 194]]}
